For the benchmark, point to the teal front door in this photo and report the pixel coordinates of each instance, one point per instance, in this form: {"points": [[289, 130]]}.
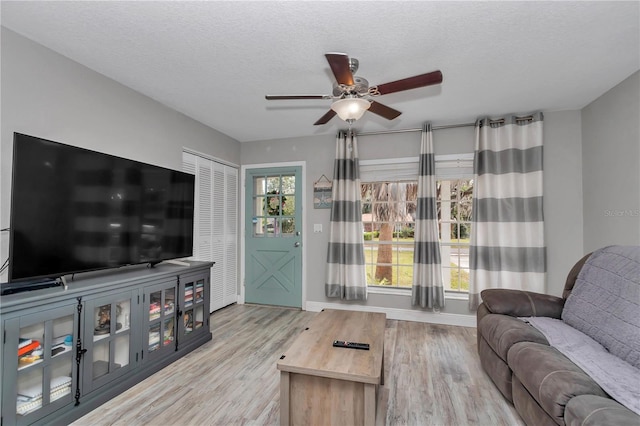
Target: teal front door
{"points": [[273, 239]]}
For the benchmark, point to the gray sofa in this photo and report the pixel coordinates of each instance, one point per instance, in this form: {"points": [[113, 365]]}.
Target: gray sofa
{"points": [[599, 304]]}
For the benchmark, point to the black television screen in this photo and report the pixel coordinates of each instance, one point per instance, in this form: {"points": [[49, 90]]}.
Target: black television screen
{"points": [[76, 210]]}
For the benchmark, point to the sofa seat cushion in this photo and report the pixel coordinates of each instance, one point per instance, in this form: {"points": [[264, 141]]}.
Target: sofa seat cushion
{"points": [[618, 378], [591, 410], [550, 377], [502, 331]]}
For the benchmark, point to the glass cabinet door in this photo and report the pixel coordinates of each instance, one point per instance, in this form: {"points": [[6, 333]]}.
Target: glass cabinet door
{"points": [[160, 312], [193, 317], [107, 339], [42, 354]]}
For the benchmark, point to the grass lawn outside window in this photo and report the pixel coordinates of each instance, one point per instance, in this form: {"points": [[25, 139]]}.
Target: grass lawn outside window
{"points": [[402, 266]]}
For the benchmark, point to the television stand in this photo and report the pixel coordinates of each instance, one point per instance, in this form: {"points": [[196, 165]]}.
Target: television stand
{"points": [[177, 262], [173, 262], [19, 287], [103, 334]]}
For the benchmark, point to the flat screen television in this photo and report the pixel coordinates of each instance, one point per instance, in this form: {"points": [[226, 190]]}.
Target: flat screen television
{"points": [[76, 210]]}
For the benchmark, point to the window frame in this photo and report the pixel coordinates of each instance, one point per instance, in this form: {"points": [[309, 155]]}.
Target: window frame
{"points": [[448, 167]]}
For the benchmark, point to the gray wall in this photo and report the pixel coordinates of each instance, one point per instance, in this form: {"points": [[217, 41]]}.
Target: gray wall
{"points": [[562, 195], [563, 199], [47, 95], [611, 167]]}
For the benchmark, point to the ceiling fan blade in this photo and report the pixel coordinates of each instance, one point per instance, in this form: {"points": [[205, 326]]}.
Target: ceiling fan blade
{"points": [[325, 118], [339, 63], [383, 110], [282, 97], [421, 80]]}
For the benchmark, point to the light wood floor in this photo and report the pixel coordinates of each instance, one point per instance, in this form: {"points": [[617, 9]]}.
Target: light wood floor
{"points": [[432, 377]]}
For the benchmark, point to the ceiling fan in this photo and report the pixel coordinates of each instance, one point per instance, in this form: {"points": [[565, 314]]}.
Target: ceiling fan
{"points": [[352, 94]]}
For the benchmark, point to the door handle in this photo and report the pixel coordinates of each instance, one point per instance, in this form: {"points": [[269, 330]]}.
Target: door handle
{"points": [[296, 244]]}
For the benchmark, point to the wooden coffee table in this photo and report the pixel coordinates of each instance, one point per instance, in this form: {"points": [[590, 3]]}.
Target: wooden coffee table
{"points": [[324, 385]]}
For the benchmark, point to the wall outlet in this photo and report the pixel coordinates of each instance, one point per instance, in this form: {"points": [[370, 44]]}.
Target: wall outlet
{"points": [[317, 228]]}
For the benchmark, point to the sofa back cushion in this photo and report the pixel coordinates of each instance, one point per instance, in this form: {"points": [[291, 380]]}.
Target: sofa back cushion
{"points": [[605, 301]]}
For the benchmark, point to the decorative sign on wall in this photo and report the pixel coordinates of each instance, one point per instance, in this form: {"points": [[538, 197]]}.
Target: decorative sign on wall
{"points": [[322, 193]]}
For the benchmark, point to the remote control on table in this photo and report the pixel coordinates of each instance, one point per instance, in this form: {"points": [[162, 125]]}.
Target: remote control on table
{"points": [[350, 345]]}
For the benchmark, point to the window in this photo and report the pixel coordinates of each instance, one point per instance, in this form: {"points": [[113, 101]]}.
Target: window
{"points": [[454, 218], [389, 193], [388, 218], [274, 205]]}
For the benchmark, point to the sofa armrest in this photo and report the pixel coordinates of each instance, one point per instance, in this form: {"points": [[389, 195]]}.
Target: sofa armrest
{"points": [[519, 303], [592, 410]]}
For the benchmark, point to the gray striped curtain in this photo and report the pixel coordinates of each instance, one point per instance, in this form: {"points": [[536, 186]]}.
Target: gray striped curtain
{"points": [[346, 276], [507, 235], [427, 290]]}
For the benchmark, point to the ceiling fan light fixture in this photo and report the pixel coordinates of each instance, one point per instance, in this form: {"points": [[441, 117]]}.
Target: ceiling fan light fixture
{"points": [[350, 109]]}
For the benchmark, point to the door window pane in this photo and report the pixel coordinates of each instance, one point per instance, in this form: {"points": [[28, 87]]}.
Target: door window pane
{"points": [[169, 301], [154, 305], [100, 358], [259, 206], [102, 320], [259, 186], [30, 391], [288, 226], [123, 315], [31, 339], [168, 332], [188, 321], [199, 291], [122, 351], [273, 184], [59, 379], [154, 337], [199, 316], [274, 206]]}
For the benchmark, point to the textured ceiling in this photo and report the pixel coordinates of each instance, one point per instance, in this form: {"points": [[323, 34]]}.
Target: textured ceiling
{"points": [[215, 61]]}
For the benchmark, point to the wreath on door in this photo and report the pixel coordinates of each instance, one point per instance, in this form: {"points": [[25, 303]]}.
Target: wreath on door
{"points": [[275, 204]]}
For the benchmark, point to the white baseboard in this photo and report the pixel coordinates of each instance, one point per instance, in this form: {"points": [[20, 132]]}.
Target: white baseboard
{"points": [[400, 314]]}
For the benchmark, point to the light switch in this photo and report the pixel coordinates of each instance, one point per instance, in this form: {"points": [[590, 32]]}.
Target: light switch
{"points": [[317, 228]]}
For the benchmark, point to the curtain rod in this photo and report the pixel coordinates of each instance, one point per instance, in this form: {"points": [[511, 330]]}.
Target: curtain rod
{"points": [[386, 132], [448, 126]]}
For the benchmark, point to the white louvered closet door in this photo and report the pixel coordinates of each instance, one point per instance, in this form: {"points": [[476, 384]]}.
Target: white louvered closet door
{"points": [[217, 272], [215, 224], [231, 237]]}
